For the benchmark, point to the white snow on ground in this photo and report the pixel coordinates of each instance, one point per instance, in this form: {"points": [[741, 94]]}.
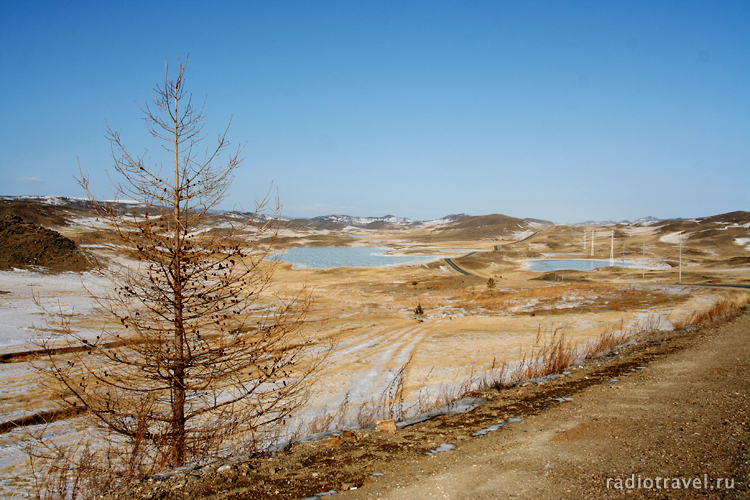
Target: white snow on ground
{"points": [[444, 220], [519, 235], [436, 222], [19, 315], [102, 246], [49, 200], [648, 263], [89, 223], [354, 229], [745, 242], [673, 237], [734, 226], [363, 221], [16, 482]]}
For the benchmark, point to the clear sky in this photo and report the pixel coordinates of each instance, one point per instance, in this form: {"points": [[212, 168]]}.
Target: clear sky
{"points": [[561, 110]]}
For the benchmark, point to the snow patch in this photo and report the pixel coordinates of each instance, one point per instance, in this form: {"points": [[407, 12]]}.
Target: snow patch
{"points": [[673, 238], [519, 235], [20, 316]]}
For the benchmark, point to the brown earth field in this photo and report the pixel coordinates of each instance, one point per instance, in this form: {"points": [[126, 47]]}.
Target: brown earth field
{"points": [[682, 416], [664, 418]]}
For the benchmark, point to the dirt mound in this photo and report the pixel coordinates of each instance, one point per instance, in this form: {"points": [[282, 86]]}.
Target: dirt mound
{"points": [[38, 213], [23, 244], [565, 275]]}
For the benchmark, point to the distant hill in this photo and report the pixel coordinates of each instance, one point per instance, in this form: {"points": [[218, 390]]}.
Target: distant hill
{"points": [[387, 221], [384, 222], [491, 227], [729, 218], [32, 209], [446, 219], [738, 217], [643, 221]]}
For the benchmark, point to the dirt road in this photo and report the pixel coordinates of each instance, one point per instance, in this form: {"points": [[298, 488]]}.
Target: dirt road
{"points": [[677, 428]]}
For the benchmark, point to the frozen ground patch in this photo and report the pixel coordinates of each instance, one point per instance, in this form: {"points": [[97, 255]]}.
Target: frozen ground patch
{"points": [[15, 478], [520, 235], [20, 316]]}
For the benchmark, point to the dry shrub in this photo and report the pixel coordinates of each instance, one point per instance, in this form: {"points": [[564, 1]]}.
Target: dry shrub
{"points": [[729, 306], [496, 375], [651, 322], [329, 420], [547, 356], [83, 468], [389, 405], [550, 354], [605, 342], [105, 461]]}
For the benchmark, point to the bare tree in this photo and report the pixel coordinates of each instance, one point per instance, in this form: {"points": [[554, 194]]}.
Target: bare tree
{"points": [[197, 353]]}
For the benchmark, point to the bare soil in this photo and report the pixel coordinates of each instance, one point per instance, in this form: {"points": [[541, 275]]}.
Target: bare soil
{"points": [[23, 244], [678, 409]]}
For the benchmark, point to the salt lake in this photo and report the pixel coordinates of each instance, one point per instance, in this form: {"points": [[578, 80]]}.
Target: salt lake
{"points": [[328, 257], [546, 265]]}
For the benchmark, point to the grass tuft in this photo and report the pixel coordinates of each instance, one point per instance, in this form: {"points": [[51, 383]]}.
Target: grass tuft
{"points": [[728, 307]]}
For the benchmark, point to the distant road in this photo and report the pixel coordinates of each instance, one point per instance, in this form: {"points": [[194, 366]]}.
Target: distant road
{"points": [[454, 266], [716, 285], [529, 236]]}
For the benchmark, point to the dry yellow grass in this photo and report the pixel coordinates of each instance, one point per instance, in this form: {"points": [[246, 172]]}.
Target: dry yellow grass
{"points": [[552, 299], [729, 306]]}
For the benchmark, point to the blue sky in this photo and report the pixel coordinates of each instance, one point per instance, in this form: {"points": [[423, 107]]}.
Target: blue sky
{"points": [[561, 110]]}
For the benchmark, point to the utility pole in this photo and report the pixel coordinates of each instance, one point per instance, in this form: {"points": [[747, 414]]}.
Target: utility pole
{"points": [[680, 238], [584, 240], [593, 233], [643, 266], [612, 250]]}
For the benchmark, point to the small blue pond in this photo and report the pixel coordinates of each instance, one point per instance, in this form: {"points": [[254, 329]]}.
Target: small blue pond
{"points": [[327, 257], [546, 265]]}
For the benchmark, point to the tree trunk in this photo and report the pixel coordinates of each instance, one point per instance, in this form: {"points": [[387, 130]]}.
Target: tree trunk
{"points": [[178, 374]]}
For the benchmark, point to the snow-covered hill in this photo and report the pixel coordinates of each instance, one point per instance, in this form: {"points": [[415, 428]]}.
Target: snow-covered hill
{"points": [[384, 221]]}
